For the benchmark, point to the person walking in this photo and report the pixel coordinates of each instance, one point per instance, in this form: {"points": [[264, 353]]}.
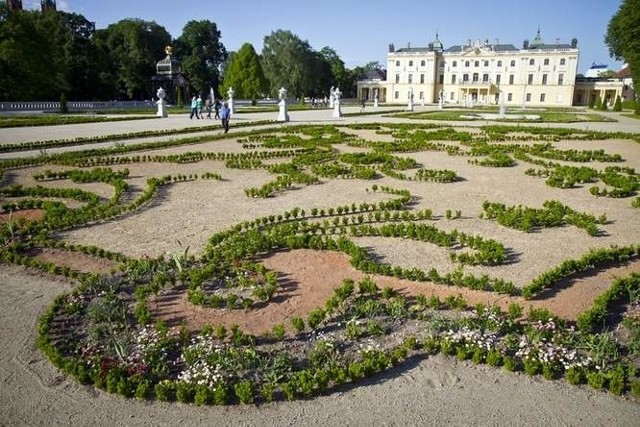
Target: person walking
{"points": [[199, 107], [207, 107], [216, 108], [194, 107], [225, 115]]}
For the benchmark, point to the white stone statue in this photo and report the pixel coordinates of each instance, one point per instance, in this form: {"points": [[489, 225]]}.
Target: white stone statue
{"points": [[375, 98], [441, 99], [332, 96], [283, 115], [337, 112], [162, 105], [410, 100], [230, 93]]}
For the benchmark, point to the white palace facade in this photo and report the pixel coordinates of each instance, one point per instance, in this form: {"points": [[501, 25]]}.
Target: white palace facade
{"points": [[536, 74]]}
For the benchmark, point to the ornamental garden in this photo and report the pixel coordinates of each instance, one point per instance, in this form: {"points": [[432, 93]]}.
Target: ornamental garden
{"points": [[285, 262]]}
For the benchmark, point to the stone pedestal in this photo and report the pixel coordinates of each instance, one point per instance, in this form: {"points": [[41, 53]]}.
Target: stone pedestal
{"points": [[337, 112], [162, 109], [283, 115]]}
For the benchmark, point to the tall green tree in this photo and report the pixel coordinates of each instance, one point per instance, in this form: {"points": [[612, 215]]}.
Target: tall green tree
{"points": [[202, 54], [30, 66], [245, 74], [339, 74], [623, 39], [134, 47], [288, 62]]}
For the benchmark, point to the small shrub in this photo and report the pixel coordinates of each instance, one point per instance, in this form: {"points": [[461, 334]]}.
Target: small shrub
{"points": [[574, 376], [510, 364], [203, 396], [298, 323], [596, 380], [494, 358], [278, 332], [244, 391]]}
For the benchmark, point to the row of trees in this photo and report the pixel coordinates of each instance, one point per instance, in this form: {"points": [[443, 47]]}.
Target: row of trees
{"points": [[59, 55]]}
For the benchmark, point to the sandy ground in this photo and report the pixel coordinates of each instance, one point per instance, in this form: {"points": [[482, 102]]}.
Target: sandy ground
{"points": [[433, 391]]}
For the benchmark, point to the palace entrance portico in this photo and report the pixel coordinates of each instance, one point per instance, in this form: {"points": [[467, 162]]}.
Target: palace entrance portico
{"points": [[480, 92]]}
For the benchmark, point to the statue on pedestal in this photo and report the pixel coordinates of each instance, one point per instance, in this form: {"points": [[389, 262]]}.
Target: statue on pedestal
{"points": [[162, 105], [283, 115], [441, 99], [375, 98], [332, 96], [337, 113], [410, 100], [230, 93]]}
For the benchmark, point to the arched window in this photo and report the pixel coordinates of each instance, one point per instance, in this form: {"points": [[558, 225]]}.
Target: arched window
{"points": [[532, 61]]}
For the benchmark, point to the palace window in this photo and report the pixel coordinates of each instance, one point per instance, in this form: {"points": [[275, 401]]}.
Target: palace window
{"points": [[510, 79], [465, 77], [544, 79], [397, 78], [396, 95], [476, 76], [476, 64], [466, 63], [562, 61], [560, 79], [410, 78], [542, 96], [421, 95], [509, 97], [532, 61], [498, 79], [451, 96], [410, 63], [528, 97], [421, 79], [422, 63], [499, 63], [486, 63], [530, 79], [453, 79], [546, 61], [441, 79], [485, 78], [455, 64], [397, 63], [513, 62]]}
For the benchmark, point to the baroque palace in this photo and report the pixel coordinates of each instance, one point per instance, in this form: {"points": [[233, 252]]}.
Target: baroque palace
{"points": [[476, 73]]}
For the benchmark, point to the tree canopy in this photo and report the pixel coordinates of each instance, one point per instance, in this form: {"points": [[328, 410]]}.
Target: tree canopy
{"points": [[288, 62], [623, 39], [245, 74], [201, 53], [55, 55]]}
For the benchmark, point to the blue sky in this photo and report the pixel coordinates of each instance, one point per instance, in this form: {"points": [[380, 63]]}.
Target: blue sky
{"points": [[360, 31]]}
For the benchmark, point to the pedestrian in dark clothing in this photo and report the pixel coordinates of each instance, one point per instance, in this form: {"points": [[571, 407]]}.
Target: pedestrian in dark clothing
{"points": [[225, 115], [216, 108]]}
